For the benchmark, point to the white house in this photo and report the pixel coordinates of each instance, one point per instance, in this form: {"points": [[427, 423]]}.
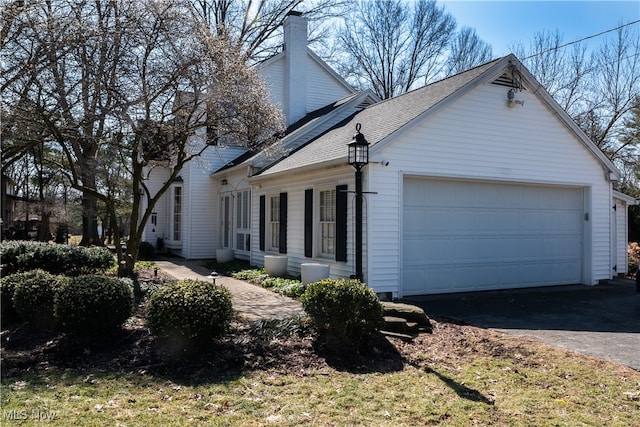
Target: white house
{"points": [[478, 181]]}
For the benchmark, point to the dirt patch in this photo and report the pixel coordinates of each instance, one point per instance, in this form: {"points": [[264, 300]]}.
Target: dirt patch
{"points": [[249, 346]]}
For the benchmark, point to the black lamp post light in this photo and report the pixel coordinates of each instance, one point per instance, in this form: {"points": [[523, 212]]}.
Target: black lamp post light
{"points": [[358, 158]]}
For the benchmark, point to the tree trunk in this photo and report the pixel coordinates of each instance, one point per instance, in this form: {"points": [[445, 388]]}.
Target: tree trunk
{"points": [[89, 201], [43, 232], [89, 220]]}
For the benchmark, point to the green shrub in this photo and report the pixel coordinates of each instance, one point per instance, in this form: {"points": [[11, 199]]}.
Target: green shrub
{"points": [[7, 289], [33, 297], [20, 256], [344, 310], [93, 304], [254, 275], [292, 290], [190, 310], [287, 287]]}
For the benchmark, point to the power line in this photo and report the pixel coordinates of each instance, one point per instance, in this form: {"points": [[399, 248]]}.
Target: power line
{"points": [[582, 39]]}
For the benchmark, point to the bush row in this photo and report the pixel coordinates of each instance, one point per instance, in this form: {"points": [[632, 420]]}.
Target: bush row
{"points": [[194, 312], [19, 256], [288, 287], [188, 310], [88, 304]]}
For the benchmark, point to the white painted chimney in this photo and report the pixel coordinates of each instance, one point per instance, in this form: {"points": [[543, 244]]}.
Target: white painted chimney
{"points": [[295, 75]]}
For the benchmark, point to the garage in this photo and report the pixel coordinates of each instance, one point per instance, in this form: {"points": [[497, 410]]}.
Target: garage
{"points": [[468, 235]]}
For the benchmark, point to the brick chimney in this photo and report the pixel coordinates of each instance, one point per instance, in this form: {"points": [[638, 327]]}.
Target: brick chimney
{"points": [[295, 75]]}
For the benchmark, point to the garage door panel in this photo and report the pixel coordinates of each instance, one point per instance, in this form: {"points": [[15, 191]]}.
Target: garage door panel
{"points": [[475, 235]]}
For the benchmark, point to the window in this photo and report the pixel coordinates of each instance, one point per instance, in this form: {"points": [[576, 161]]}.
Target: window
{"points": [[243, 232], [177, 213], [327, 217], [225, 223], [274, 222]]}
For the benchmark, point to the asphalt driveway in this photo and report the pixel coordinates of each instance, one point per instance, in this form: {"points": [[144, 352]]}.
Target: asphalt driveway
{"points": [[601, 321]]}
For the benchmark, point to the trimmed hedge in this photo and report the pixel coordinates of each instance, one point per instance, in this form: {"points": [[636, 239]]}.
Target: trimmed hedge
{"points": [[192, 311], [344, 310], [34, 294], [93, 304], [18, 256]]}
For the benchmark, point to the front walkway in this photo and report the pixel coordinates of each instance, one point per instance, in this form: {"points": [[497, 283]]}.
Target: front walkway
{"points": [[251, 301]]}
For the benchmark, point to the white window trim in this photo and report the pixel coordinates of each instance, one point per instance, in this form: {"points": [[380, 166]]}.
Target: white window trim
{"points": [[172, 221], [318, 224], [226, 230], [238, 211], [271, 244]]}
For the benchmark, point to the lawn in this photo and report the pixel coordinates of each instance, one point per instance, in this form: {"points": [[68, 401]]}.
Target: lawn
{"points": [[277, 374]]}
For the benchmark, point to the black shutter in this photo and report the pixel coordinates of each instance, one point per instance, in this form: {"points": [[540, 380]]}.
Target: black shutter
{"points": [[308, 223], [283, 223], [263, 221], [341, 223]]}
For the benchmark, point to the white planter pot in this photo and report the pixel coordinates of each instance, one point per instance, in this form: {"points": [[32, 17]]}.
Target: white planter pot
{"points": [[224, 255], [276, 265], [312, 272]]}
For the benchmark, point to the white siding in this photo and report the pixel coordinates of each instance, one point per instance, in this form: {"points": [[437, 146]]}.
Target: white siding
{"points": [[322, 87], [200, 199], [201, 209], [151, 234], [273, 76], [295, 186], [479, 137]]}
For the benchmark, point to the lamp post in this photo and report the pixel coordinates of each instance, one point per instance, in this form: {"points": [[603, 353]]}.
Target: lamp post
{"points": [[358, 158]]}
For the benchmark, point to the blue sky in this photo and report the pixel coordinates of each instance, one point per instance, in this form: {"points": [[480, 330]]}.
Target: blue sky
{"points": [[505, 23]]}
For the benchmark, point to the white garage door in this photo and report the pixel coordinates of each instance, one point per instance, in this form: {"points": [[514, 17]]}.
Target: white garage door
{"points": [[467, 236]]}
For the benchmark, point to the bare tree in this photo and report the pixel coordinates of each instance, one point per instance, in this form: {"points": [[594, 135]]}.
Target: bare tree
{"points": [[391, 45], [616, 87], [597, 90], [467, 51], [564, 74], [256, 25], [137, 81]]}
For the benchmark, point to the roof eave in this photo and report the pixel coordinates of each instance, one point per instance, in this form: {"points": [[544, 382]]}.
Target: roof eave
{"points": [[332, 163], [631, 201]]}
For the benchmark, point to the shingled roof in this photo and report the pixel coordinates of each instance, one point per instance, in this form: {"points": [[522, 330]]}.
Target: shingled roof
{"points": [[304, 130], [379, 121]]}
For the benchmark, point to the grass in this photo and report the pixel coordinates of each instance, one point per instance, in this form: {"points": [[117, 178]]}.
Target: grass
{"points": [[564, 394], [491, 379]]}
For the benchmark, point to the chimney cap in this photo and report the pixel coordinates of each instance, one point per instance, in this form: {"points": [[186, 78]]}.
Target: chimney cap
{"points": [[294, 13]]}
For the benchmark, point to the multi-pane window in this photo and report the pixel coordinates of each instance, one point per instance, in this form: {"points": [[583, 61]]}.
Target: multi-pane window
{"points": [[243, 232], [327, 217], [274, 222], [177, 213], [225, 206]]}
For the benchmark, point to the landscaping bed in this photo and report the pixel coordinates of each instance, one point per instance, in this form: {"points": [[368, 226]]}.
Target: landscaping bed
{"points": [[280, 372]]}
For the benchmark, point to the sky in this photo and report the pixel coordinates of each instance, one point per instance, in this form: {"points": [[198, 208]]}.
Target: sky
{"points": [[504, 24]]}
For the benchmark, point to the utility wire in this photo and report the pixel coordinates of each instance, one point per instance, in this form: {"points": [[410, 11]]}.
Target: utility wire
{"points": [[581, 40]]}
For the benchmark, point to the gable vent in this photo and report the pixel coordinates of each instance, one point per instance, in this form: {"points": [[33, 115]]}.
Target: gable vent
{"points": [[510, 78], [364, 105], [505, 80]]}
